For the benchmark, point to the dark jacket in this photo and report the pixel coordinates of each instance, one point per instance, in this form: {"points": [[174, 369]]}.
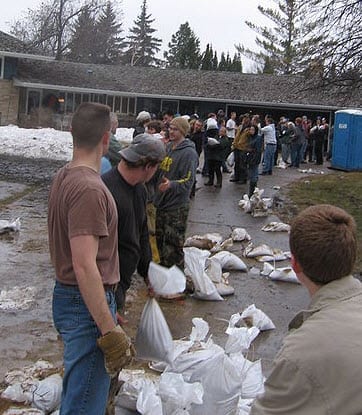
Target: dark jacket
{"points": [[133, 242], [218, 151]]}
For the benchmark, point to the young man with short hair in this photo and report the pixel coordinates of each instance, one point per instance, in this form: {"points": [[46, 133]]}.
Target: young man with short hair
{"points": [[172, 198], [82, 229], [126, 182], [318, 371]]}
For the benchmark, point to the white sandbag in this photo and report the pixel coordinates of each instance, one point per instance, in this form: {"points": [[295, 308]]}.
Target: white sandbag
{"points": [[278, 255], [276, 227], [148, 402], [200, 329], [179, 346], [47, 394], [7, 226], [153, 338], [133, 382], [240, 338], [230, 159], [284, 274], [195, 260], [253, 316], [189, 361], [267, 269], [253, 380], [245, 204], [215, 237], [214, 269], [240, 234], [224, 289], [252, 251], [221, 382], [178, 396], [244, 406], [198, 241], [15, 393], [166, 281], [230, 261]]}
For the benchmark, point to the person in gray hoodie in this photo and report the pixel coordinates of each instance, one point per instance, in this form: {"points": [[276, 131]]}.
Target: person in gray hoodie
{"points": [[172, 198]]}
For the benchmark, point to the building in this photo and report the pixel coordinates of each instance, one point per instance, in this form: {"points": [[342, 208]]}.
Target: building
{"points": [[39, 91]]}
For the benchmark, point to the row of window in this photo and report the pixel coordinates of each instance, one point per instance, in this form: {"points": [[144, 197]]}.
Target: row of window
{"points": [[66, 102]]}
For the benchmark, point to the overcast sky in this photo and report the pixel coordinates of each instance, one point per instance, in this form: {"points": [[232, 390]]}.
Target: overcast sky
{"points": [[221, 23]]}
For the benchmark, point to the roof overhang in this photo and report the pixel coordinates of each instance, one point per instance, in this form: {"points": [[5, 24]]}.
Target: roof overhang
{"points": [[26, 56], [34, 85]]}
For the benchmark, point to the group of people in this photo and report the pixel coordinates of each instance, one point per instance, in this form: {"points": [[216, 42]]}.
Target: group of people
{"points": [[304, 141], [99, 236]]}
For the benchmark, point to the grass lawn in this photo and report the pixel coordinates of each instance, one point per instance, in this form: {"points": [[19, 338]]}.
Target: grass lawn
{"points": [[339, 188]]}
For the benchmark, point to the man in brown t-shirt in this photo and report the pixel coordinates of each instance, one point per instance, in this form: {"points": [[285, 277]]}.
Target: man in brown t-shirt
{"points": [[82, 226]]}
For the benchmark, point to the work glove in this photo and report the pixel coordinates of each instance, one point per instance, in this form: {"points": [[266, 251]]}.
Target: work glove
{"points": [[117, 350]]}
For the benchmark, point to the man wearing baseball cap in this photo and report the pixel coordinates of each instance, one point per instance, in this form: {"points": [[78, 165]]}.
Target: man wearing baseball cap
{"points": [[138, 164]]}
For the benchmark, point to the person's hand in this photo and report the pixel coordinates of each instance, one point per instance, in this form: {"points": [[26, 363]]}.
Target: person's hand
{"points": [[164, 185], [117, 350], [150, 290]]}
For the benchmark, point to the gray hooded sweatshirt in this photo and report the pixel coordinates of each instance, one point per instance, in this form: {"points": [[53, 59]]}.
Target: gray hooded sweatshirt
{"points": [[179, 166]]}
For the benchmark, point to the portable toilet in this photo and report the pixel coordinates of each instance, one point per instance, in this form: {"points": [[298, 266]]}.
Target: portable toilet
{"points": [[347, 140]]}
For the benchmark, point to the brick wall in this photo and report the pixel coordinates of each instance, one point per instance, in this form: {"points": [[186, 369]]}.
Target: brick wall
{"points": [[9, 102]]}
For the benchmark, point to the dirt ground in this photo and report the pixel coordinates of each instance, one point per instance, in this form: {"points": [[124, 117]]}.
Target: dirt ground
{"points": [[28, 335]]}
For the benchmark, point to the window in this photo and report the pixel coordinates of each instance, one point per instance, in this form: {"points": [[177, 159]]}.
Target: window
{"points": [[33, 101], [69, 103], [110, 101], [2, 67]]}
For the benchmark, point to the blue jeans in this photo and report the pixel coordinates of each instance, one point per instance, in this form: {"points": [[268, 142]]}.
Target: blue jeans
{"points": [[295, 151], [85, 382], [269, 157]]}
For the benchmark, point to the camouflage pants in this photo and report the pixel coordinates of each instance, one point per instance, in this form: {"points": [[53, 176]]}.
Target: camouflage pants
{"points": [[170, 234]]}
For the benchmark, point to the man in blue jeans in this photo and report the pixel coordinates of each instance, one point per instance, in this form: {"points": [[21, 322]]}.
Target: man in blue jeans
{"points": [[270, 145], [82, 228]]}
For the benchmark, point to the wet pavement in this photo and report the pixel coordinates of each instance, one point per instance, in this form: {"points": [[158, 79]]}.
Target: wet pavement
{"points": [[28, 335]]}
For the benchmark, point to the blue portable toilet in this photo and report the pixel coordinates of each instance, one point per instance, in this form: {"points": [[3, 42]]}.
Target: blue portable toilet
{"points": [[347, 140]]}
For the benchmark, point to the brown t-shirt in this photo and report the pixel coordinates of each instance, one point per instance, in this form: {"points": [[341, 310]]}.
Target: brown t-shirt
{"points": [[80, 204]]}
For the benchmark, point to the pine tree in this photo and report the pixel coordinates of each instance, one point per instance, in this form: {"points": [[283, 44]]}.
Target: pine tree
{"points": [[206, 60], [109, 42], [82, 45], [184, 49], [215, 62], [222, 64], [228, 62], [142, 46], [236, 65], [282, 44]]}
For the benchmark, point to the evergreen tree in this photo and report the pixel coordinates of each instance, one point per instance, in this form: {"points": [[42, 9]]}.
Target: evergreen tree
{"points": [[228, 63], [207, 57], [215, 62], [282, 44], [109, 43], [142, 46], [222, 64], [184, 49], [236, 65], [84, 38]]}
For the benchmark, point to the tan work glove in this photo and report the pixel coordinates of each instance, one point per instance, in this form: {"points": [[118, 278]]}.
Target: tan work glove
{"points": [[117, 349]]}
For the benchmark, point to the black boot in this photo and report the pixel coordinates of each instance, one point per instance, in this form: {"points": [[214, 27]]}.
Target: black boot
{"points": [[252, 186], [211, 179]]}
